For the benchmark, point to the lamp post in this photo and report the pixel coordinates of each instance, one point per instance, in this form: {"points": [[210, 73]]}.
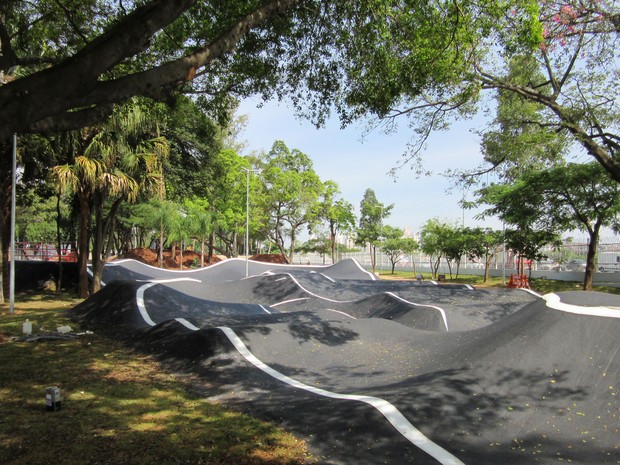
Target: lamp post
{"points": [[12, 241]]}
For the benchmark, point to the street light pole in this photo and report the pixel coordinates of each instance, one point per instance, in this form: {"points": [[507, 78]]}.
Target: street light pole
{"points": [[12, 241]]}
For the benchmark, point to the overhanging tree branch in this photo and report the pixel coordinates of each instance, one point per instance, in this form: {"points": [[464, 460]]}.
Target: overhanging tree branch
{"points": [[39, 101]]}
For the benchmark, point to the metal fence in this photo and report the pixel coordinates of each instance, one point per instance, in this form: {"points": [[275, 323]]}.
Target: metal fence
{"points": [[40, 251], [566, 262]]}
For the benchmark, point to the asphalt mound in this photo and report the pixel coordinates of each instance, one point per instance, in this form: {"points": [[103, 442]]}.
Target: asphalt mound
{"points": [[387, 372], [227, 270]]}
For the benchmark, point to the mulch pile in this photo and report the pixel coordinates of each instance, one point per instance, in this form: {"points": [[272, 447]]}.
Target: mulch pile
{"points": [[269, 258], [148, 256], [190, 258]]}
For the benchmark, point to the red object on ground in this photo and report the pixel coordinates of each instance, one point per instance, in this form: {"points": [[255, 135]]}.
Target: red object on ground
{"points": [[518, 281]]}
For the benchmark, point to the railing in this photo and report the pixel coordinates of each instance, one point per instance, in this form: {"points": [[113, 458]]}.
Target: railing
{"points": [[45, 252]]}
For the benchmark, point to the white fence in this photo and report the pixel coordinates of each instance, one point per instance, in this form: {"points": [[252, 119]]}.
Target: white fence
{"points": [[564, 264]]}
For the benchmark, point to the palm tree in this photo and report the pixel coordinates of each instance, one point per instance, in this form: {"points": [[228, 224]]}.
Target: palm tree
{"points": [[122, 161], [80, 178], [201, 223], [181, 227]]}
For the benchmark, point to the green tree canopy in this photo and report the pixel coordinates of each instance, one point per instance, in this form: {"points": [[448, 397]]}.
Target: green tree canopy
{"points": [[369, 231], [122, 159], [290, 196], [434, 238], [566, 197], [336, 212], [395, 246]]}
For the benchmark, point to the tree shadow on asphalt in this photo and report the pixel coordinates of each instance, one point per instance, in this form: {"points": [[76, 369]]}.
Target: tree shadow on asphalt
{"points": [[460, 409]]}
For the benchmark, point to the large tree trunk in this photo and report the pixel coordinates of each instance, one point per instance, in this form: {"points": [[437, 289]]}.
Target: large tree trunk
{"points": [[211, 247], [332, 242], [202, 251], [97, 267], [590, 259], [181, 255], [6, 173], [59, 239], [103, 240], [291, 252], [83, 243], [160, 250], [373, 257]]}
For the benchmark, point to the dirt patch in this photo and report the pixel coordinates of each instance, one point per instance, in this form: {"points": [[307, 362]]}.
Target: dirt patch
{"points": [[269, 258], [191, 259]]}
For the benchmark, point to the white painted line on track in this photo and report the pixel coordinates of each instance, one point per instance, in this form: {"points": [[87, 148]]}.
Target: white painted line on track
{"points": [[171, 280], [264, 309], [467, 286], [142, 305], [342, 313], [554, 302], [389, 411], [289, 301], [441, 310], [316, 295], [92, 275], [161, 270], [308, 298], [327, 277], [529, 291], [140, 296], [359, 265], [187, 324]]}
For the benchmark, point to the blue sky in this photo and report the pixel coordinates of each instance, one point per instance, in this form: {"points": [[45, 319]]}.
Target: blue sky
{"points": [[357, 162]]}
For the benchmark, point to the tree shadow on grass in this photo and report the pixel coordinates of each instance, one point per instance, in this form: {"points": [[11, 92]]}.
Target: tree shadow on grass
{"points": [[119, 407]]}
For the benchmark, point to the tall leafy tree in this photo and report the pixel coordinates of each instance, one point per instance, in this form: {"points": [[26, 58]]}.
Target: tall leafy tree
{"points": [[182, 226], [396, 246], [560, 58], [290, 196], [434, 240], [455, 244], [195, 140], [370, 227], [484, 244], [157, 216], [227, 194], [336, 212], [527, 245], [202, 226], [121, 160], [571, 196]]}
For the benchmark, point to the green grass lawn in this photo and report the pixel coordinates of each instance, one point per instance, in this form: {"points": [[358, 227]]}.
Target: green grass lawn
{"points": [[540, 285], [118, 406]]}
